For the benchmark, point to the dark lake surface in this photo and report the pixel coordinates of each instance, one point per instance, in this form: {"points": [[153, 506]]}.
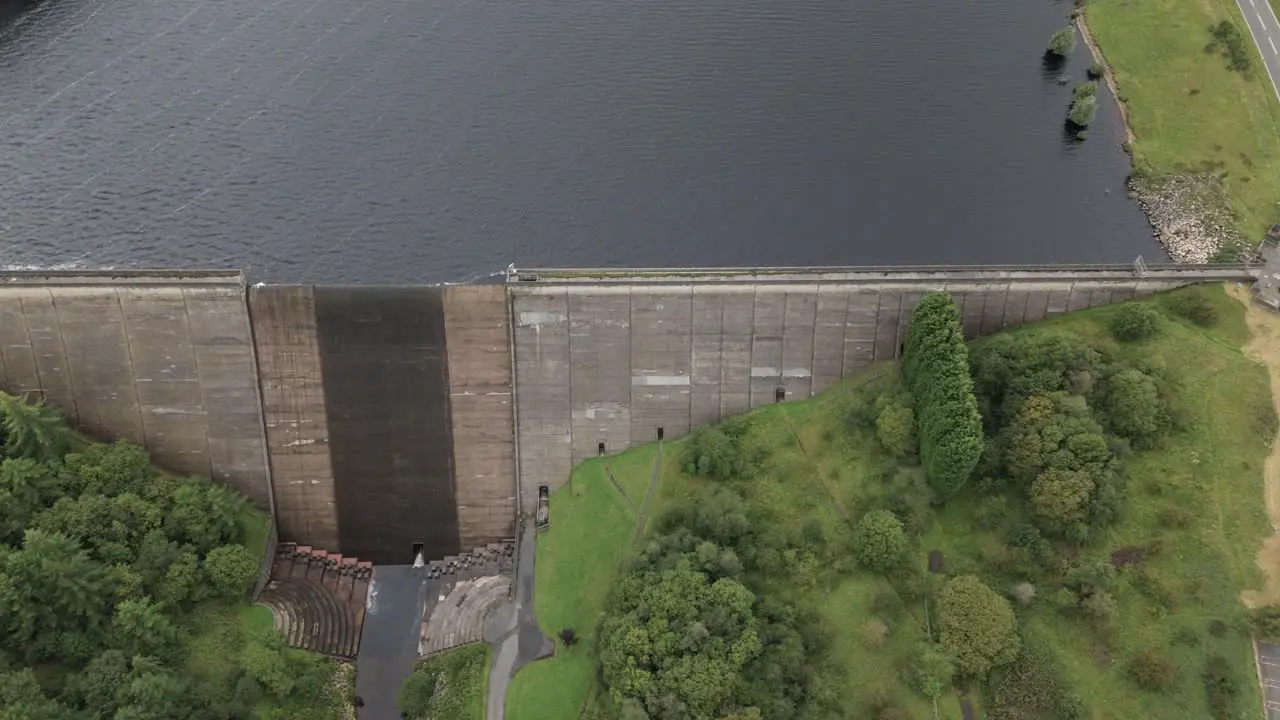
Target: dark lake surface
{"points": [[385, 141]]}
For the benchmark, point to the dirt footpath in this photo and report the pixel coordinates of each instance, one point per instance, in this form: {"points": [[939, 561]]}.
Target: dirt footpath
{"points": [[1264, 347]]}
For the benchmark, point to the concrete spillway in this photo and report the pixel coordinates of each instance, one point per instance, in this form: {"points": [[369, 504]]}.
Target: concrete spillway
{"points": [[369, 419]]}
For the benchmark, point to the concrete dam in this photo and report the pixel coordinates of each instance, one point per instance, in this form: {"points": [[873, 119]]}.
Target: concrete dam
{"points": [[369, 420]]}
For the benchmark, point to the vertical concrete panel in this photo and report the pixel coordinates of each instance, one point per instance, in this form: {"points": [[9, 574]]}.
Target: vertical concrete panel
{"points": [[887, 320], [737, 337], [384, 359], [297, 428], [992, 309], [661, 352], [93, 333], [542, 386], [1058, 299], [1121, 293], [766, 344], [1015, 306], [222, 343], [971, 309], [707, 360], [600, 355], [1099, 297], [830, 319], [1037, 305], [907, 305], [1079, 297], [480, 394], [860, 328], [799, 321], [49, 353], [167, 376], [21, 376]]}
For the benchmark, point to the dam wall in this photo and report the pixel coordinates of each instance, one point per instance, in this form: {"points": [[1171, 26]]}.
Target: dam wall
{"points": [[163, 359], [612, 358], [370, 420]]}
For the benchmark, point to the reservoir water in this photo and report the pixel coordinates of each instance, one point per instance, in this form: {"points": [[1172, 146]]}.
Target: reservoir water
{"points": [[384, 141]]}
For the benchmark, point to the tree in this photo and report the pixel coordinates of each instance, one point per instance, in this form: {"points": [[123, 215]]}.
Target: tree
{"points": [[1134, 407], [1063, 41], [231, 570], [712, 452], [686, 649], [896, 428], [182, 581], [879, 541], [32, 430], [205, 515], [978, 628], [156, 694], [1061, 497], [1135, 321], [1083, 111], [51, 586], [140, 628], [22, 699], [930, 670], [96, 687], [935, 369]]}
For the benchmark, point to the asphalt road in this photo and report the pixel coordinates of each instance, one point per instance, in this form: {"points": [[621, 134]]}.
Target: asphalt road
{"points": [[1269, 672], [1265, 29]]}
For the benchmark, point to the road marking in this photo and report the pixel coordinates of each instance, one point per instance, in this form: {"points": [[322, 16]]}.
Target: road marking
{"points": [[1252, 3], [1273, 46]]}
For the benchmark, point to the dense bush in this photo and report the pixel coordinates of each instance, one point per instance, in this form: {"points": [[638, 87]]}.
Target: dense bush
{"points": [[1063, 41], [449, 685], [1028, 687], [1221, 688], [929, 671], [100, 560], [717, 452], [1228, 41], [1153, 671], [1265, 622], [678, 638], [879, 541], [935, 369], [896, 429], [1193, 304], [1084, 104], [978, 628], [1135, 321], [1134, 407]]}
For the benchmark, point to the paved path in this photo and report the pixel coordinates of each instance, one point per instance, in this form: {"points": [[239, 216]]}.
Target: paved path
{"points": [[513, 631], [389, 643], [1265, 29]]}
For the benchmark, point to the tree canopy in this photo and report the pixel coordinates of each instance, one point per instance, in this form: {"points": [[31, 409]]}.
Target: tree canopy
{"points": [[978, 628]]}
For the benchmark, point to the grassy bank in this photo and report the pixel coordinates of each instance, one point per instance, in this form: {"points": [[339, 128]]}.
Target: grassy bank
{"points": [[1189, 112], [1191, 515], [452, 684], [579, 557]]}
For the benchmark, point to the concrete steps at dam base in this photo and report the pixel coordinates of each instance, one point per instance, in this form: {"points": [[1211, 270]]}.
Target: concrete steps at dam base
{"points": [[465, 593], [318, 599]]}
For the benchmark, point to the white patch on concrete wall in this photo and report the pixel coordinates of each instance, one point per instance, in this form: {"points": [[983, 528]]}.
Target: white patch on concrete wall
{"points": [[797, 373], [296, 443], [765, 372], [173, 411], [659, 379], [535, 319]]}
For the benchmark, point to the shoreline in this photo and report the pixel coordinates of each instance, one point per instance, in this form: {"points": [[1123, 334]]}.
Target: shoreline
{"points": [[1109, 77], [1190, 214]]}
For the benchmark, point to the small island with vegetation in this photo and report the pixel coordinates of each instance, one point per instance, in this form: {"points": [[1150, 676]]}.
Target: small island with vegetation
{"points": [[1058, 521]]}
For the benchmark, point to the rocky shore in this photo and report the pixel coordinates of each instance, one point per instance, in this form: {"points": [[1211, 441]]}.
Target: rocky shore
{"points": [[1190, 214]]}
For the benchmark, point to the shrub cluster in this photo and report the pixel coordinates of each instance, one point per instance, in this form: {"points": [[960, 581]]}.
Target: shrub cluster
{"points": [[102, 558], [935, 369], [1084, 104], [1063, 42], [448, 685], [1192, 304], [1229, 42], [1135, 321]]}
